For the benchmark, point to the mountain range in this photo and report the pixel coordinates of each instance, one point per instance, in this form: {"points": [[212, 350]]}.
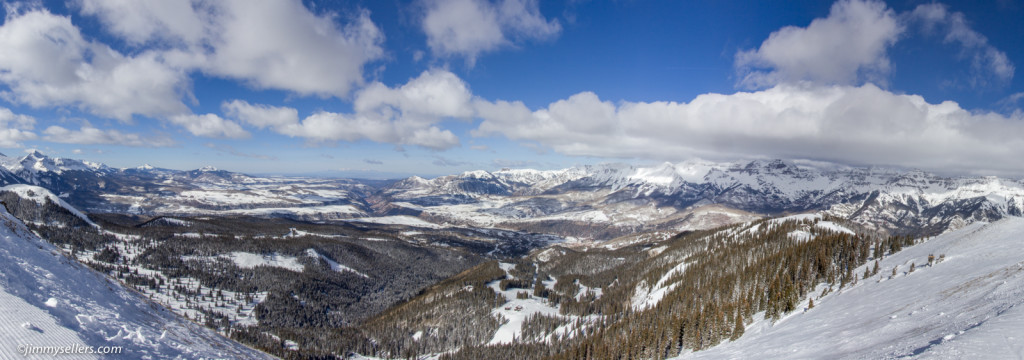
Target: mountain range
{"points": [[587, 203]]}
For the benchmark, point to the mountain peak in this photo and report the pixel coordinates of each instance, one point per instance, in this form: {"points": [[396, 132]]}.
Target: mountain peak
{"points": [[35, 154], [207, 168]]}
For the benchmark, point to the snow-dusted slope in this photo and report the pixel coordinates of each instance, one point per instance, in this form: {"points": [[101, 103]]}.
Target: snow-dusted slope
{"points": [[40, 195], [47, 299], [634, 198], [969, 306]]}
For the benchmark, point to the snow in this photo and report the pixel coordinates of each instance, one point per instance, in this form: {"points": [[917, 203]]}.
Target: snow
{"points": [[334, 265], [515, 311], [39, 195], [645, 297], [347, 210], [398, 220], [249, 260], [49, 300], [965, 307], [828, 225]]}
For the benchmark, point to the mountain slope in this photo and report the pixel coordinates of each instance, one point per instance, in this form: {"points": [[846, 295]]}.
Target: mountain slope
{"points": [[591, 203], [967, 306], [610, 200], [50, 300]]}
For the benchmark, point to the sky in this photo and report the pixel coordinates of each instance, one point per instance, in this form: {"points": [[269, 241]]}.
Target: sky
{"points": [[431, 87]]}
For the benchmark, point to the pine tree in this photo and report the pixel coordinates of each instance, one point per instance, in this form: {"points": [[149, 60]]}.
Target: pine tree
{"points": [[811, 304], [737, 331]]}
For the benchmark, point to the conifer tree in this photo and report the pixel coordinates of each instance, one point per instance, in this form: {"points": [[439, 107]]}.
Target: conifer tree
{"points": [[737, 331]]}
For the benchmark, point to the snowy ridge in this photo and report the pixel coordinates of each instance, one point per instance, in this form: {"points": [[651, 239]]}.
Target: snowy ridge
{"points": [[40, 195], [50, 300], [629, 196], [967, 306]]}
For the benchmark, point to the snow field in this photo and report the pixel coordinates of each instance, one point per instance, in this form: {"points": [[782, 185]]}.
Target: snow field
{"points": [[50, 300], [515, 311], [964, 307]]}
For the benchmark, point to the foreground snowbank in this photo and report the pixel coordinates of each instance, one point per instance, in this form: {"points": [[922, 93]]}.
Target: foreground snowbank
{"points": [[965, 307], [48, 300]]}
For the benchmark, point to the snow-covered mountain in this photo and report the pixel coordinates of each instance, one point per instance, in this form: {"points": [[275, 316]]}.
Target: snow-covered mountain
{"points": [[597, 202], [968, 306], [146, 189], [884, 199], [50, 300]]}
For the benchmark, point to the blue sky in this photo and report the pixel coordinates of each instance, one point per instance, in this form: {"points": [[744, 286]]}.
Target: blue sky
{"points": [[392, 88]]}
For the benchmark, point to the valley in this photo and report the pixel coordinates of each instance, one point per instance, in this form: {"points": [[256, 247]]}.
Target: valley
{"points": [[541, 264]]}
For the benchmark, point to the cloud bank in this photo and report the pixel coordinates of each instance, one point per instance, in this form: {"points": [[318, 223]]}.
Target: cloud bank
{"points": [[48, 62], [469, 28]]}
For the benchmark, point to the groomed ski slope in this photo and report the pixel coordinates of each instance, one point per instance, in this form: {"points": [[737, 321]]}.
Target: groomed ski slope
{"points": [[47, 299], [968, 306]]}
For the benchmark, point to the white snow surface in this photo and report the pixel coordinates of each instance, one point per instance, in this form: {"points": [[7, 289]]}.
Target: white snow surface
{"points": [[47, 299], [398, 220], [515, 311], [249, 260], [334, 264], [965, 307], [39, 195]]}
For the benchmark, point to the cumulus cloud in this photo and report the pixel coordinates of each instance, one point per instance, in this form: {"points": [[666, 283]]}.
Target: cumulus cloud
{"points": [[261, 116], [847, 124], [15, 128], [403, 115], [851, 46], [47, 62], [209, 125], [987, 62], [851, 43], [267, 44], [470, 27], [88, 135], [139, 22]]}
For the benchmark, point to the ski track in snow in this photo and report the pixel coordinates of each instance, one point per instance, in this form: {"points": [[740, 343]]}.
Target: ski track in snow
{"points": [[968, 306]]}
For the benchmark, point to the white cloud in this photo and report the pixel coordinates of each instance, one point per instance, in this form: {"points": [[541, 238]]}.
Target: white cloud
{"points": [[88, 135], [432, 95], [142, 21], [470, 27], [209, 125], [15, 128], [267, 44], [987, 62], [46, 62], [404, 115], [847, 124], [849, 44], [261, 116]]}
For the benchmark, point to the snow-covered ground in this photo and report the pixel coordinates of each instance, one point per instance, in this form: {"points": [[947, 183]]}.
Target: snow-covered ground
{"points": [[40, 195], [47, 299], [247, 260], [398, 220], [967, 306], [515, 311], [334, 264]]}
